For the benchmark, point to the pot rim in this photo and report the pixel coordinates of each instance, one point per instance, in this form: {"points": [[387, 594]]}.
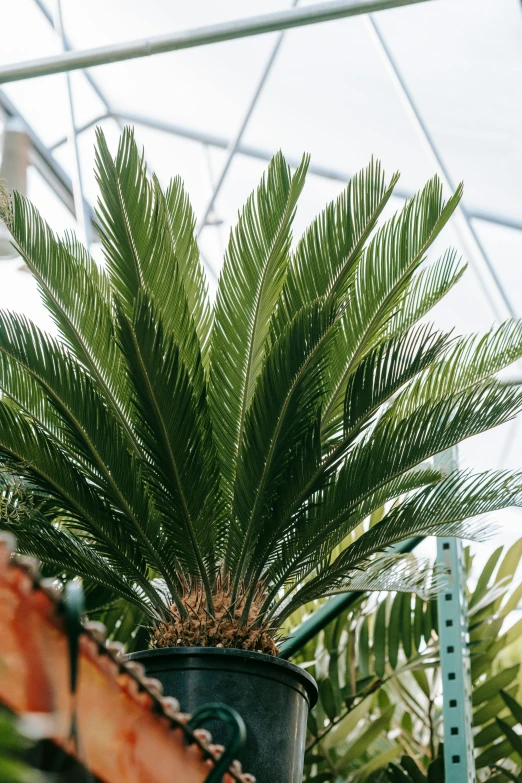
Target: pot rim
{"points": [[232, 652]]}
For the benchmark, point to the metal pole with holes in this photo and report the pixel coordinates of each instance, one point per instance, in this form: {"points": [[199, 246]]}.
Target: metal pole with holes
{"points": [[459, 764]]}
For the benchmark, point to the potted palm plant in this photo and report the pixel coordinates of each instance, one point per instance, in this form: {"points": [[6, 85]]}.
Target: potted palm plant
{"points": [[208, 464]]}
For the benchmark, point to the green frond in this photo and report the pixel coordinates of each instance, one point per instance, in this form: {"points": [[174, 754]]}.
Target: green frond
{"points": [[470, 360], [331, 246], [380, 284], [20, 389], [390, 573], [138, 234], [286, 401], [87, 427], [174, 426], [395, 446], [182, 224], [385, 370], [250, 283], [425, 289], [125, 214], [77, 295], [453, 507], [311, 538], [86, 424], [26, 451], [56, 546]]}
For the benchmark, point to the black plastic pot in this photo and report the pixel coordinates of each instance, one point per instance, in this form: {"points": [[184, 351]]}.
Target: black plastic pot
{"points": [[271, 695]]}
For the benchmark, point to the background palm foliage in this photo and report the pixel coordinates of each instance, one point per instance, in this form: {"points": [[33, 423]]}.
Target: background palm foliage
{"points": [[214, 459], [14, 746], [379, 717]]}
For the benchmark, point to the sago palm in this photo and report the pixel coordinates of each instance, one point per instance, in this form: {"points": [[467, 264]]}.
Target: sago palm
{"points": [[209, 463]]}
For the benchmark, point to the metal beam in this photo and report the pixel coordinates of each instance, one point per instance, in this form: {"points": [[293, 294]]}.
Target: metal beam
{"points": [[68, 47], [81, 128], [201, 36], [462, 222], [90, 79], [83, 223], [260, 153], [234, 144]]}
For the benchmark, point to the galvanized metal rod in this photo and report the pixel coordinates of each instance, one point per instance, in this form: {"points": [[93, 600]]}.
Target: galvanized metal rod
{"points": [[234, 144], [68, 47], [81, 217], [259, 153], [468, 234], [81, 128], [201, 36]]}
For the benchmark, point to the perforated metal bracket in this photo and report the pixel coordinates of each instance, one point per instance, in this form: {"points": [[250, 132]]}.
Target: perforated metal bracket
{"points": [[459, 764]]}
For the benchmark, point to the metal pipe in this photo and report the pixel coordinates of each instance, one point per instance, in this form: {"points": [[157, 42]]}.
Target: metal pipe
{"points": [[81, 128], [466, 229], [234, 144], [201, 36], [327, 172], [91, 80], [77, 183], [330, 611], [68, 47]]}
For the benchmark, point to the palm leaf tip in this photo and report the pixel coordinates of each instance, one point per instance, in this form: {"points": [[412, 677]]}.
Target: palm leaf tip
{"points": [[223, 463]]}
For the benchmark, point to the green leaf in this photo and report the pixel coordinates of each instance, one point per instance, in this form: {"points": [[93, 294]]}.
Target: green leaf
{"points": [[417, 622], [490, 709], [182, 223], [491, 732], [281, 434], [327, 696], [485, 576], [380, 761], [470, 360], [493, 685], [331, 246], [394, 630], [421, 679], [368, 736], [510, 561], [406, 626], [141, 246], [379, 640], [514, 707], [364, 648], [77, 294], [493, 754]]}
